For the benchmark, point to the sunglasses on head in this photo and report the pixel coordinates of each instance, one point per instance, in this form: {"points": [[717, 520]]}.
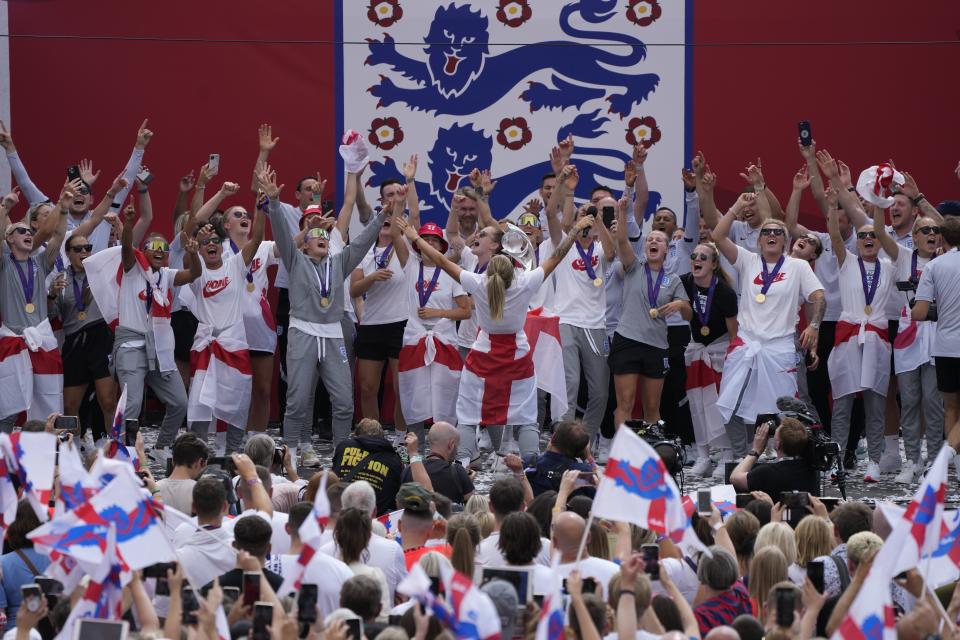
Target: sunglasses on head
{"points": [[929, 230], [22, 231], [701, 256], [156, 245], [771, 232], [81, 248], [318, 233], [529, 220], [863, 235], [210, 240]]}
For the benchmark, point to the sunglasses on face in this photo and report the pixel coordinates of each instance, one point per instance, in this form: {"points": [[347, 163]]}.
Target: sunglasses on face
{"points": [[863, 235], [22, 231], [213, 240], [529, 220], [317, 233], [701, 256], [929, 230], [771, 232], [83, 191], [240, 215], [157, 245], [82, 248]]}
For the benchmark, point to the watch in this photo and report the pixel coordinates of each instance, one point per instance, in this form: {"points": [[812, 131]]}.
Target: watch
{"points": [[754, 454], [814, 325]]}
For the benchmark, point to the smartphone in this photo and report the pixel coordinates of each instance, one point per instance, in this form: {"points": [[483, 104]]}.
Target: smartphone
{"points": [[68, 423], [190, 605], [785, 607], [704, 504], [354, 629], [31, 597], [589, 585], [393, 619], [162, 588], [213, 164], [806, 133], [585, 479], [307, 604], [538, 599], [743, 499], [131, 428], [262, 617], [251, 587], [159, 570], [224, 462], [764, 418], [278, 455], [795, 499], [815, 573], [651, 560], [436, 587], [73, 172], [49, 586], [609, 215], [520, 579], [91, 629], [728, 468], [830, 503], [144, 175]]}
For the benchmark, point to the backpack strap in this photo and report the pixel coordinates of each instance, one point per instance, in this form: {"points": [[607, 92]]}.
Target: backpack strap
{"points": [[842, 572], [27, 562]]}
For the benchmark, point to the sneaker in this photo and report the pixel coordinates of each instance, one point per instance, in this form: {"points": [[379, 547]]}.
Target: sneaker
{"points": [[890, 460], [908, 474], [720, 470], [603, 450], [873, 472], [862, 449], [849, 460], [309, 457], [484, 441], [499, 466], [702, 466], [689, 455]]}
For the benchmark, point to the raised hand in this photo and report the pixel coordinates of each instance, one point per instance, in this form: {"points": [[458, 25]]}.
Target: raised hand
{"points": [[129, 213], [6, 138], [566, 147], [583, 223], [321, 184], [639, 155], [754, 174], [69, 192], [828, 165], [119, 184], [143, 135], [475, 178], [801, 179], [229, 188], [204, 232], [267, 141], [205, 176], [689, 179], [267, 181], [844, 174], [487, 183], [832, 196], [909, 187], [699, 164], [557, 162], [533, 206], [86, 172], [10, 200], [191, 246], [744, 200], [410, 168], [709, 180], [570, 177], [187, 182], [407, 230], [808, 152], [629, 173]]}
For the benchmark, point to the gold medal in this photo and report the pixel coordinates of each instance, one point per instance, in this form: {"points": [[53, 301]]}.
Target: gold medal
{"points": [[597, 281], [251, 287], [29, 307], [654, 313], [324, 301], [868, 309], [760, 298], [81, 316], [704, 331]]}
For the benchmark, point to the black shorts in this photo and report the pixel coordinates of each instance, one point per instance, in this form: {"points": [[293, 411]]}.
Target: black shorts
{"points": [[184, 326], [629, 356], [261, 354], [379, 341], [86, 355], [948, 374]]}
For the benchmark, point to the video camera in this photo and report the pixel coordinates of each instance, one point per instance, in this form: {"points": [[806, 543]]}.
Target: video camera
{"points": [[822, 452], [911, 286]]}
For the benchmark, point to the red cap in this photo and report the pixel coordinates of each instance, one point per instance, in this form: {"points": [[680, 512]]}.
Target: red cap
{"points": [[432, 229], [312, 210]]}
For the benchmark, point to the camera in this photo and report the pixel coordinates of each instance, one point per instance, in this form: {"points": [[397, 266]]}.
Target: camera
{"points": [[822, 453], [910, 285]]}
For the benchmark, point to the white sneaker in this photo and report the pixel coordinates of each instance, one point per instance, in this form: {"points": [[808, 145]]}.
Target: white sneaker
{"points": [[309, 457], [908, 474], [702, 466], [873, 472], [499, 466], [890, 460], [603, 450], [726, 455], [484, 442]]}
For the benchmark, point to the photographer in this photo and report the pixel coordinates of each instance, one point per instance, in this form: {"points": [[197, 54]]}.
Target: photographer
{"points": [[368, 455], [791, 472], [939, 282]]}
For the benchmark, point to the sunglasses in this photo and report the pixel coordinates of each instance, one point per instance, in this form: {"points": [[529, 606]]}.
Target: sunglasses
{"points": [[212, 240], [929, 230], [863, 235], [771, 232], [82, 248], [701, 256], [318, 233], [157, 245], [22, 231], [83, 191], [529, 220], [239, 215]]}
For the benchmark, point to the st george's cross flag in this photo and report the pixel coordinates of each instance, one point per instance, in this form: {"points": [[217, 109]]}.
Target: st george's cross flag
{"points": [[31, 456], [550, 626], [310, 535], [924, 515], [103, 597]]}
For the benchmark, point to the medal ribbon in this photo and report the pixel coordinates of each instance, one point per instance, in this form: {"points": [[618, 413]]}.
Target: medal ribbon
{"points": [[769, 277], [384, 258], [653, 292], [478, 269], [324, 280], [425, 294], [704, 315], [26, 281], [78, 292], [913, 264], [587, 257], [871, 291]]}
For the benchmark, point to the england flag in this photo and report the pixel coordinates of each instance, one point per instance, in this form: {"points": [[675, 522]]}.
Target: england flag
{"points": [[551, 623], [310, 535], [922, 521]]}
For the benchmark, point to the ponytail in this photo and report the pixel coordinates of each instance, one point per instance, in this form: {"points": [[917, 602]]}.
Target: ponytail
{"points": [[462, 557], [499, 279]]}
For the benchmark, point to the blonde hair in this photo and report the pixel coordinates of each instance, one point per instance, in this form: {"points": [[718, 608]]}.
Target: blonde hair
{"points": [[477, 503], [717, 268], [814, 539], [487, 523], [780, 535], [778, 223], [499, 279], [768, 567]]}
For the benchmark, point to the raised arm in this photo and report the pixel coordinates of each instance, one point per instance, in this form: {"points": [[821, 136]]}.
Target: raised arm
{"points": [[452, 268], [912, 191], [227, 189], [7, 204], [453, 218], [413, 200], [809, 155], [483, 184], [195, 268], [551, 263], [801, 180], [400, 246], [351, 191], [55, 226], [127, 250], [888, 244], [706, 181], [624, 249], [833, 226], [30, 190], [568, 182], [607, 241], [691, 201], [642, 196], [721, 233], [848, 199], [186, 184], [146, 213], [267, 183], [364, 210], [130, 171], [197, 201], [754, 177], [266, 144], [354, 252], [256, 233]]}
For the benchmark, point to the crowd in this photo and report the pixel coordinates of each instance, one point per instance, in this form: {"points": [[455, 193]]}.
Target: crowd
{"points": [[685, 329]]}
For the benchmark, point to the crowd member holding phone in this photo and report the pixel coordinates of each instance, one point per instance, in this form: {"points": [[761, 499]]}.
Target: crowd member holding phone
{"points": [[760, 365], [639, 351], [859, 361], [190, 455], [21, 564]]}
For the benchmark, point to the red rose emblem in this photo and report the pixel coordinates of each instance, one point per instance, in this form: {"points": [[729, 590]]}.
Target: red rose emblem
{"points": [[385, 133], [384, 13], [513, 13], [514, 133], [643, 12], [643, 131]]}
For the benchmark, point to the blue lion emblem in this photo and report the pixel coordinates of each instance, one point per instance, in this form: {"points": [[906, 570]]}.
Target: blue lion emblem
{"points": [[647, 481], [460, 76]]}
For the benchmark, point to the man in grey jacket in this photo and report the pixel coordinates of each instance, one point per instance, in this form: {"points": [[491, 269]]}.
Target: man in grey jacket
{"points": [[315, 345]]}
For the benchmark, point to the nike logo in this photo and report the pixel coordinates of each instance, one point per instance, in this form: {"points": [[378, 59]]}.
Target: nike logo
{"points": [[213, 287]]}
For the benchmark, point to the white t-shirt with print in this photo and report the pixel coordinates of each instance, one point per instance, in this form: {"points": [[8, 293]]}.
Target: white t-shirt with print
{"points": [[777, 315], [578, 301], [442, 297], [386, 300]]}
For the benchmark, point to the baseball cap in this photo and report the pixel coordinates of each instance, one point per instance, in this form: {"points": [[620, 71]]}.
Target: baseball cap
{"points": [[414, 498]]}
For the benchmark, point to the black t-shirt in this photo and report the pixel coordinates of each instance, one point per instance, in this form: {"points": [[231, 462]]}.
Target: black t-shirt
{"points": [[724, 306], [374, 460], [448, 479], [786, 475]]}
